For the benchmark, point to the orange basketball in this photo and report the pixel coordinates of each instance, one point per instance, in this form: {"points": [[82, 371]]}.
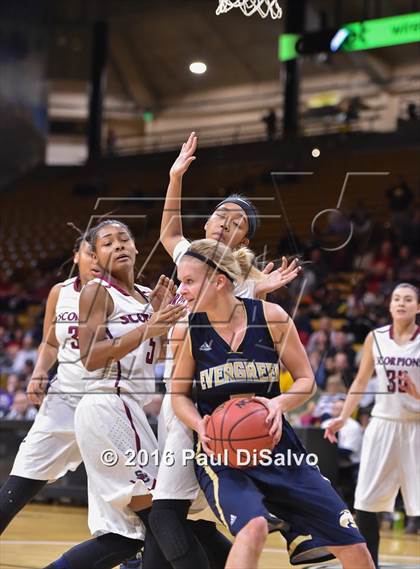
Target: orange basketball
{"points": [[238, 431]]}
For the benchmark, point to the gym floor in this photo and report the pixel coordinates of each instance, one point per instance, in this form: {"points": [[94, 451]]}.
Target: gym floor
{"points": [[41, 533]]}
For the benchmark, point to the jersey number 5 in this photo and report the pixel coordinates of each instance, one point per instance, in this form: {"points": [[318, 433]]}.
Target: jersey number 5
{"points": [[151, 352]]}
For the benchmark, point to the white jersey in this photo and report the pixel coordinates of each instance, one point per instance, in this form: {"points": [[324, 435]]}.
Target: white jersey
{"points": [[391, 362], [244, 290], [70, 371], [134, 373]]}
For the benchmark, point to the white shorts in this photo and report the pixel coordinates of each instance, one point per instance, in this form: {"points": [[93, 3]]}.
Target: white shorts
{"points": [[178, 481], [175, 481], [111, 430], [389, 462], [49, 449]]}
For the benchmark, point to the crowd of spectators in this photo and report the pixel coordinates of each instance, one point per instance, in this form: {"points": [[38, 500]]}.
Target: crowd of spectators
{"points": [[344, 298], [345, 295]]}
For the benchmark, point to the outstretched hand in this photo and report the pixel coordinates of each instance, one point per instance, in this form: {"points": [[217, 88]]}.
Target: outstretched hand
{"points": [[278, 278], [185, 158]]}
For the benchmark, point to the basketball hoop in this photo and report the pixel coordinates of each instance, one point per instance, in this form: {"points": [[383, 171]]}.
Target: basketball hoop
{"points": [[249, 7]]}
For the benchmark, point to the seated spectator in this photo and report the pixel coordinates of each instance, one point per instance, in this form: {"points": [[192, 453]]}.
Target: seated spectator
{"points": [[412, 230], [307, 419], [333, 304], [334, 391], [318, 366], [321, 339], [342, 368], [316, 270], [400, 197], [362, 223], [21, 409], [8, 357], [407, 268], [18, 337], [26, 373], [27, 353], [6, 395], [4, 337], [303, 323], [340, 343]]}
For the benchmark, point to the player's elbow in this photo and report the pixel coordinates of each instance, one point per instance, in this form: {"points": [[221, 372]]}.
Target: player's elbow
{"points": [[89, 363]]}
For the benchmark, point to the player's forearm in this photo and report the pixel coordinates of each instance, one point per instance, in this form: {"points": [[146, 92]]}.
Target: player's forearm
{"points": [[171, 225], [185, 410], [302, 390], [101, 352], [47, 356], [353, 398]]}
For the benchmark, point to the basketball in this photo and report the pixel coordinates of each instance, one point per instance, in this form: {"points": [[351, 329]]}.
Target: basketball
{"points": [[239, 433]]}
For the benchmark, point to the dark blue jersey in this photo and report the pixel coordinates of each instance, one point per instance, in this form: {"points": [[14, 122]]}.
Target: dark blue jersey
{"points": [[219, 373]]}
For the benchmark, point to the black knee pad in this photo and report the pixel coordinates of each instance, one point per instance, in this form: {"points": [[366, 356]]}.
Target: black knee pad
{"points": [[170, 533]]}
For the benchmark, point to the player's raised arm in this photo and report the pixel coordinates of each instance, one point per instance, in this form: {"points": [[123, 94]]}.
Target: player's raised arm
{"points": [[358, 387], [171, 225], [96, 349], [47, 351]]}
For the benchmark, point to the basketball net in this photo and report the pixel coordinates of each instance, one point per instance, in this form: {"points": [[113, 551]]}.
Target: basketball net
{"points": [[249, 7]]}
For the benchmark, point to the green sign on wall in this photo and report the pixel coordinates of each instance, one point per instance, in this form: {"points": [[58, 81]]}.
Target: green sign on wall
{"points": [[369, 34]]}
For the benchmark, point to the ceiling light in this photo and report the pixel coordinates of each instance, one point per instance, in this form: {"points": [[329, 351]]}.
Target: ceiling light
{"points": [[198, 67]]}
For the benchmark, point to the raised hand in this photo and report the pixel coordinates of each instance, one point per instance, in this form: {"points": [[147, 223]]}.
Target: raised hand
{"points": [[278, 278], [163, 293], [162, 320], [186, 156]]}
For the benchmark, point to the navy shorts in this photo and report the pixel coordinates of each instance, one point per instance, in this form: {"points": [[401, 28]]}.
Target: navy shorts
{"points": [[299, 495]]}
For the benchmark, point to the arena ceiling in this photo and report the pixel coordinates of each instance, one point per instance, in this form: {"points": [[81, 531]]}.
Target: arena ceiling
{"points": [[152, 43]]}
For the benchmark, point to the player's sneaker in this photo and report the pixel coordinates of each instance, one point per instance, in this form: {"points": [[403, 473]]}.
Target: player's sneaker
{"points": [[132, 564], [275, 524]]}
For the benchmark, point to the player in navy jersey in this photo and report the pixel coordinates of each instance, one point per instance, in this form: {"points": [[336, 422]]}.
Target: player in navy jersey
{"points": [[223, 334], [233, 222], [389, 460], [50, 449], [119, 335]]}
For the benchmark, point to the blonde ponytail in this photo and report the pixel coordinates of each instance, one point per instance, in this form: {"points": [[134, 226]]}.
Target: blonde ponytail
{"points": [[246, 261]]}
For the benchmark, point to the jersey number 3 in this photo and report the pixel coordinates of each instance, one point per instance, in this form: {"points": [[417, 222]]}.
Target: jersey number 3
{"points": [[74, 336]]}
